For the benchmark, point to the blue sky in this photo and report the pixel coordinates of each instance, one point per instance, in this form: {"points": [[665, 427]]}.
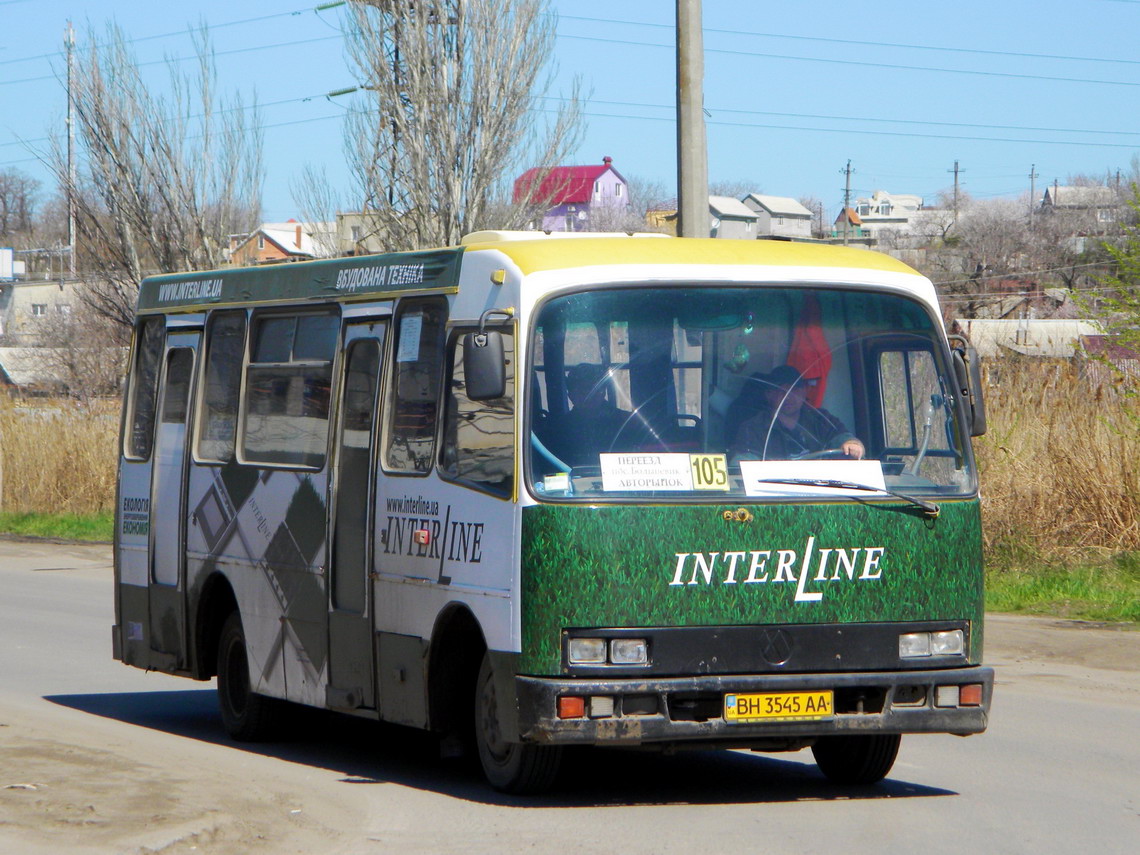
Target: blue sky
{"points": [[792, 89]]}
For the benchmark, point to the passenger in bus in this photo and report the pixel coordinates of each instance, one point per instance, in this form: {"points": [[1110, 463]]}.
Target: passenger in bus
{"points": [[594, 420], [771, 420]]}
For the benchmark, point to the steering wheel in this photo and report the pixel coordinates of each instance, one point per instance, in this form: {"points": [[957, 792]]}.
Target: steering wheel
{"points": [[635, 428], [548, 455]]}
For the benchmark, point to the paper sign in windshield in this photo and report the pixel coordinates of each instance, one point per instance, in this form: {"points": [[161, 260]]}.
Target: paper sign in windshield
{"points": [[759, 474], [411, 328], [646, 472]]}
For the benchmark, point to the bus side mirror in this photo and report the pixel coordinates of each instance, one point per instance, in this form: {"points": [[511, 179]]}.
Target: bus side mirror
{"points": [[484, 366], [968, 375]]}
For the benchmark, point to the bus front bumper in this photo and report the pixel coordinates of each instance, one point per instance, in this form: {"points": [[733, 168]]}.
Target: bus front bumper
{"points": [[692, 710]]}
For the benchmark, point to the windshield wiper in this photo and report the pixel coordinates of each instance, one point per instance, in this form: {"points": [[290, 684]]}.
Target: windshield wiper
{"points": [[929, 509]]}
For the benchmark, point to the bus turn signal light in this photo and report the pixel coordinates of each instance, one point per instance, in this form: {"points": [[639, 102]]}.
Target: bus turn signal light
{"points": [[970, 695], [571, 707]]}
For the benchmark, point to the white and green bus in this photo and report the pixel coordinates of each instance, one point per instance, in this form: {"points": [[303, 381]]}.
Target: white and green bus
{"points": [[536, 492]]}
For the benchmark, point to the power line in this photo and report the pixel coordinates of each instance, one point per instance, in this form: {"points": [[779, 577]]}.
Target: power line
{"points": [[880, 133], [653, 24], [177, 59], [759, 125], [752, 54], [865, 63], [220, 112], [260, 127], [186, 31], [1019, 273], [716, 110], [893, 45]]}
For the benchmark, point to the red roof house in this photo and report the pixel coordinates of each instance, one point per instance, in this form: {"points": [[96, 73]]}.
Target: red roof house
{"points": [[572, 195]]}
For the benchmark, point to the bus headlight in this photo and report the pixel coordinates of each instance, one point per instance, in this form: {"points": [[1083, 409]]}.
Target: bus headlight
{"points": [[586, 651], [949, 642], [607, 651], [629, 651], [914, 644]]}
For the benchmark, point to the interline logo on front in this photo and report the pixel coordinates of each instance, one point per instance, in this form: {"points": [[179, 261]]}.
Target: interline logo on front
{"points": [[807, 569]]}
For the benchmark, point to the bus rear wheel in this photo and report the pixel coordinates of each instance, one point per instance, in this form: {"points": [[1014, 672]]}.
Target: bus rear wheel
{"points": [[510, 767], [246, 715], [860, 759]]}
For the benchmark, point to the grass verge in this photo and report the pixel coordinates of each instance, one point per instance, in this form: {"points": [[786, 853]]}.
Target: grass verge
{"points": [[1016, 581], [91, 527], [1089, 589]]}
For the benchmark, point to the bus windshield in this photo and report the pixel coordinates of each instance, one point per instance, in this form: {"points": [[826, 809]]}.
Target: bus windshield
{"points": [[689, 392]]}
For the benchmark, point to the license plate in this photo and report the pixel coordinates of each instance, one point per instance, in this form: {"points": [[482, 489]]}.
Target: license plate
{"points": [[779, 706]]}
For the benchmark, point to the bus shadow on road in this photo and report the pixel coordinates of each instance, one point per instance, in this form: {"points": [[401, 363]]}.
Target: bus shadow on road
{"points": [[365, 753]]}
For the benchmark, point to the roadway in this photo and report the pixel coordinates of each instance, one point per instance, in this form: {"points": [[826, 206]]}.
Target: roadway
{"points": [[96, 757]]}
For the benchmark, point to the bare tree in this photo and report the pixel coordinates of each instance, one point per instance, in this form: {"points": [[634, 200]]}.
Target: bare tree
{"points": [[85, 352], [993, 251], [17, 203], [931, 225], [162, 179], [815, 205], [735, 188], [317, 199], [642, 195], [454, 112], [993, 238]]}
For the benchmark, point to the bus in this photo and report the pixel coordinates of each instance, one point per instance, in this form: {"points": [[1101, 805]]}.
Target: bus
{"points": [[535, 492]]}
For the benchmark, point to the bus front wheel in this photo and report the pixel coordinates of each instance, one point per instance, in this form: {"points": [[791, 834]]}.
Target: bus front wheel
{"points": [[510, 767], [246, 715], [859, 759]]}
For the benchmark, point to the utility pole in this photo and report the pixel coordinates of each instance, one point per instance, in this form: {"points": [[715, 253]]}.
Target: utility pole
{"points": [[955, 170], [847, 202], [69, 41], [1033, 176], [692, 152]]}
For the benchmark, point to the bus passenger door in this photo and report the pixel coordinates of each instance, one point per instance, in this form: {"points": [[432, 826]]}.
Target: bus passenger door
{"points": [[351, 639], [168, 505]]}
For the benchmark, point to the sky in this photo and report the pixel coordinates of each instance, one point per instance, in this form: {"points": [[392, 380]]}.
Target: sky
{"points": [[792, 90]]}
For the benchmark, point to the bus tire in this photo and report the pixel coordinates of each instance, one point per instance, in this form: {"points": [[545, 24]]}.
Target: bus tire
{"points": [[510, 767], [246, 715], [859, 759]]}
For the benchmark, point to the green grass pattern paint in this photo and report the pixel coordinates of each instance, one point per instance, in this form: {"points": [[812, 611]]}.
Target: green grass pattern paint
{"points": [[614, 566]]}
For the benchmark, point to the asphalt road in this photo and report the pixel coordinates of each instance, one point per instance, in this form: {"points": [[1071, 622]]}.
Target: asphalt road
{"points": [[96, 757]]}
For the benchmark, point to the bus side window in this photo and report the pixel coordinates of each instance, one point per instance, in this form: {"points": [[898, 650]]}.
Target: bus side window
{"points": [[919, 430], [479, 436], [179, 371], [285, 411], [144, 388], [414, 398], [217, 424], [908, 382]]}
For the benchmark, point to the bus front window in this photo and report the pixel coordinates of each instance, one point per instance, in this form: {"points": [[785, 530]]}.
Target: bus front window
{"points": [[689, 392]]}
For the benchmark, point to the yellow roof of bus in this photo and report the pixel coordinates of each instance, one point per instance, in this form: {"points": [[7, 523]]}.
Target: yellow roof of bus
{"points": [[554, 253]]}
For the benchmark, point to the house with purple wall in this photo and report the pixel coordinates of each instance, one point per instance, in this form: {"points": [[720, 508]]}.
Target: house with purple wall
{"points": [[575, 198]]}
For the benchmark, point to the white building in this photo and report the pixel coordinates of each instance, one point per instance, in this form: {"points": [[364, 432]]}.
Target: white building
{"points": [[731, 218], [31, 311], [885, 211], [781, 216], [1057, 338]]}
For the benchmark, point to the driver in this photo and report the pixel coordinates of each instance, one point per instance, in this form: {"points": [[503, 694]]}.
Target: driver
{"points": [[784, 426], [594, 420]]}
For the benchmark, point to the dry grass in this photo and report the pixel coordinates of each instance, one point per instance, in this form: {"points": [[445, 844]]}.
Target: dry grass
{"points": [[57, 456], [1059, 469]]}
